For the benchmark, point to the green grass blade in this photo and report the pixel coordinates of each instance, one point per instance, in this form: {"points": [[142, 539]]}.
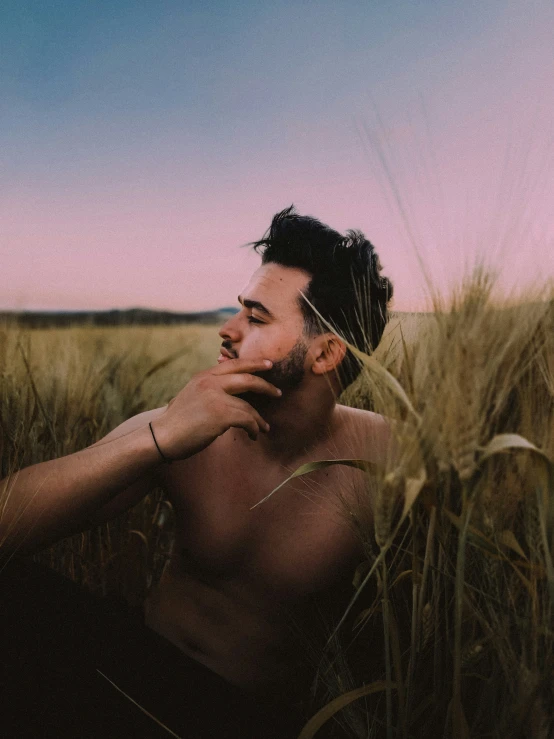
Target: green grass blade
{"points": [[414, 486], [309, 467], [509, 442], [328, 711], [163, 726]]}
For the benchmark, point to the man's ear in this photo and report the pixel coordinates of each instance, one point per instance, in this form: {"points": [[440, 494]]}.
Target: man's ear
{"points": [[327, 352]]}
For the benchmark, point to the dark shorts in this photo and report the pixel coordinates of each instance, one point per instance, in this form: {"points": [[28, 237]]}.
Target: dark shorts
{"points": [[61, 647]]}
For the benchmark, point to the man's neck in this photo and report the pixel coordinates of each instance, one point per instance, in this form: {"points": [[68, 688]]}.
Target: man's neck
{"points": [[298, 421]]}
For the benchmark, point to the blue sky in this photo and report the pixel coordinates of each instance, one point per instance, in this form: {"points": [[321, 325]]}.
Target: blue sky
{"points": [[143, 142]]}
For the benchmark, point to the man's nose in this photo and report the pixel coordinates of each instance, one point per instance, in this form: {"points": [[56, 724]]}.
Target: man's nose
{"points": [[230, 330]]}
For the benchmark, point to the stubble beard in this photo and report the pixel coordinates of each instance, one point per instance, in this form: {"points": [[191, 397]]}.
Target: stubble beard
{"points": [[286, 374]]}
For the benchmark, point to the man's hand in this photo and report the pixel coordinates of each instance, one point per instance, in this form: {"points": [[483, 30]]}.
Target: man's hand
{"points": [[206, 408]]}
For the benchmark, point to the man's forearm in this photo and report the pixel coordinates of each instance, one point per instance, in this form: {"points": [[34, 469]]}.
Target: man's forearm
{"points": [[48, 501], [51, 500]]}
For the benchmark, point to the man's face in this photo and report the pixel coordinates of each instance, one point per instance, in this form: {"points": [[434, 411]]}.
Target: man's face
{"points": [[270, 325]]}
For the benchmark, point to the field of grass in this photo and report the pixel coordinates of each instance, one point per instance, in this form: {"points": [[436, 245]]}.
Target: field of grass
{"points": [[62, 390], [450, 631]]}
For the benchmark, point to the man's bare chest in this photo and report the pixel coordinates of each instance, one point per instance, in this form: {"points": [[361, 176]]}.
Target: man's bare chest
{"points": [[296, 543]]}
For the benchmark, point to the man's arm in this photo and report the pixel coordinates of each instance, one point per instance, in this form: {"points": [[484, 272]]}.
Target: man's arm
{"points": [[139, 489], [51, 500]]}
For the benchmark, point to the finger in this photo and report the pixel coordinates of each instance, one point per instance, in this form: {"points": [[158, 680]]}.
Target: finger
{"points": [[247, 422], [243, 406], [235, 384], [241, 365]]}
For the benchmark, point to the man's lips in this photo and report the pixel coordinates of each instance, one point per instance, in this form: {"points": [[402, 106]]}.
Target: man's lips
{"points": [[224, 356]]}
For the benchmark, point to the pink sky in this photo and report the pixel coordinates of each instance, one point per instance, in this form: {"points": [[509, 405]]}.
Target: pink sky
{"points": [[105, 206]]}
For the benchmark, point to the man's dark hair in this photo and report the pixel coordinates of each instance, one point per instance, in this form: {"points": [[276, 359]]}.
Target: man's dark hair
{"points": [[347, 287]]}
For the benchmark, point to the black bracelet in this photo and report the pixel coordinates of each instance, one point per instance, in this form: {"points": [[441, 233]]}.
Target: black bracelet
{"points": [[162, 455]]}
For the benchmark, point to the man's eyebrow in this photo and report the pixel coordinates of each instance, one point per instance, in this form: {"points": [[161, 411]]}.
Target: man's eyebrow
{"points": [[255, 304]]}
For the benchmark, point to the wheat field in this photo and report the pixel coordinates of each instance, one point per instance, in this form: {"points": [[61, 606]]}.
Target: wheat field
{"points": [[450, 631]]}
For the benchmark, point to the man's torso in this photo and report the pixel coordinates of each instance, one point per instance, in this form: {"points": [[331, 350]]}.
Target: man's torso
{"points": [[245, 590]]}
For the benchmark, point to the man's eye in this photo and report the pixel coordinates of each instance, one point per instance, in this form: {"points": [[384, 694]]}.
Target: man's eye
{"points": [[251, 319]]}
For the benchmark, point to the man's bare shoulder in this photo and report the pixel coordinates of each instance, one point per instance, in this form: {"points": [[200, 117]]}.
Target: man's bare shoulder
{"points": [[366, 433], [366, 419]]}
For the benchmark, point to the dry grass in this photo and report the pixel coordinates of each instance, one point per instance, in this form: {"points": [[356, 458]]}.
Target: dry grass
{"points": [[62, 390], [459, 579], [450, 629]]}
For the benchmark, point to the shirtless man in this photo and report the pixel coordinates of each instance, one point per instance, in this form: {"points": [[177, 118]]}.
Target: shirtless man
{"points": [[242, 579]]}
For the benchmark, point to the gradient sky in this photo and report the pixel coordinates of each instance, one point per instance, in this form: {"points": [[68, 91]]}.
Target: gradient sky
{"points": [[143, 142]]}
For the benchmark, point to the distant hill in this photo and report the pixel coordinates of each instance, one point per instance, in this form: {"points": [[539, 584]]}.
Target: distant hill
{"points": [[127, 317]]}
